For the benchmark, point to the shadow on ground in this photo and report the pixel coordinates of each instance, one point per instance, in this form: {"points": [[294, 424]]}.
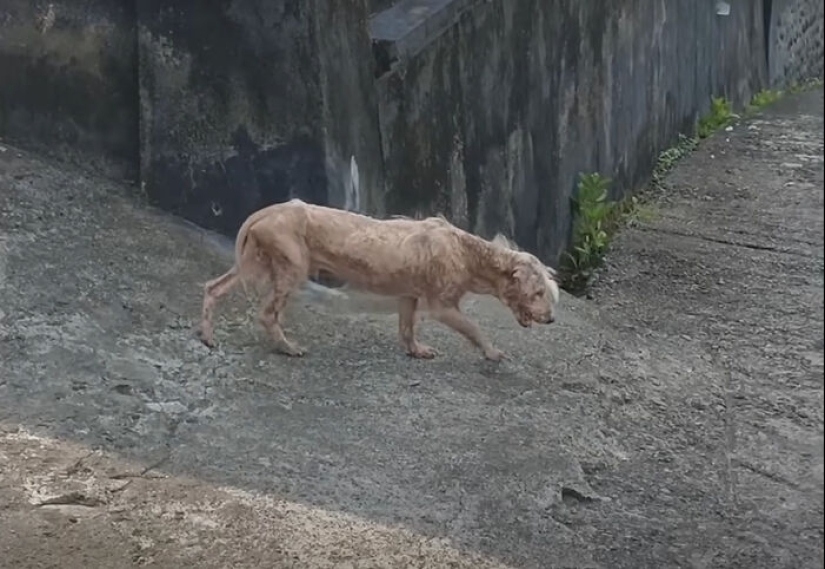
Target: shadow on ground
{"points": [[677, 421]]}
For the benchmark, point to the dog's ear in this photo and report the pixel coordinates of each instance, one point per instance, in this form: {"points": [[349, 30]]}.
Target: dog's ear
{"points": [[502, 241], [520, 273], [554, 291]]}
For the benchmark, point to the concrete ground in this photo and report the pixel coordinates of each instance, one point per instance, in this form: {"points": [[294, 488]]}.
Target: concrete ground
{"points": [[674, 420]]}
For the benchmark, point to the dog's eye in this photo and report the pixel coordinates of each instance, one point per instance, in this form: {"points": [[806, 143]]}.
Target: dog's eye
{"points": [[539, 294]]}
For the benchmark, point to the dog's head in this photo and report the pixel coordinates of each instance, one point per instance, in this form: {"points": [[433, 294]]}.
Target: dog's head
{"points": [[530, 289]]}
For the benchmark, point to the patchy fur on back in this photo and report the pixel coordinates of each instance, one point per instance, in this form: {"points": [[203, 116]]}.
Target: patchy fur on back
{"points": [[426, 264]]}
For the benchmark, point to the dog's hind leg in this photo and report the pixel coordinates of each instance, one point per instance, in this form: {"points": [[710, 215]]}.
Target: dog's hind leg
{"points": [[212, 291], [283, 284], [453, 317], [406, 329]]}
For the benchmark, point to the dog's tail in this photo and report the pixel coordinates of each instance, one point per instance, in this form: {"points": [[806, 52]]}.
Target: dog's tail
{"points": [[247, 255]]}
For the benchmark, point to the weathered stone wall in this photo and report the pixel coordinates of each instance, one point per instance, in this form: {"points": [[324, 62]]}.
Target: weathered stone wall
{"points": [[376, 6], [485, 110], [220, 107], [68, 82], [251, 102], [492, 119], [349, 106], [795, 40]]}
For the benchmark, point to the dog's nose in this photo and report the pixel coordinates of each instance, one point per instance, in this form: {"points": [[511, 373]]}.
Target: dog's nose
{"points": [[550, 319]]}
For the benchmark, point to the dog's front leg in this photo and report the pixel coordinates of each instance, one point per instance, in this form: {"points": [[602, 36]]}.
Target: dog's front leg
{"points": [[452, 317], [406, 329]]}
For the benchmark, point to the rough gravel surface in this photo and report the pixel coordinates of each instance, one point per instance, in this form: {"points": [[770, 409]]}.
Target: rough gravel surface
{"points": [[673, 420]]}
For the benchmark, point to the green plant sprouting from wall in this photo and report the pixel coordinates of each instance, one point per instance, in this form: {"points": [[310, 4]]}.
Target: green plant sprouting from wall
{"points": [[592, 212], [596, 218], [719, 116], [669, 157], [767, 97], [763, 98]]}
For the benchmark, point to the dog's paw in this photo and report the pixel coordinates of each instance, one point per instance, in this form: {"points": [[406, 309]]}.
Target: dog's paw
{"points": [[205, 337], [293, 350], [495, 355], [422, 352]]}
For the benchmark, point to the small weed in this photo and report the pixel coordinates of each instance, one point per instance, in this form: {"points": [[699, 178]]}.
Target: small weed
{"points": [[763, 98], [668, 159], [596, 218], [719, 116], [593, 213], [634, 211]]}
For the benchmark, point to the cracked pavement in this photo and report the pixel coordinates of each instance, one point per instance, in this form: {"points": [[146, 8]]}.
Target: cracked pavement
{"points": [[674, 420]]}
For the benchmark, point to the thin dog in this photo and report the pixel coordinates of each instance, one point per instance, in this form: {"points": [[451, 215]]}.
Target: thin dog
{"points": [[428, 265]]}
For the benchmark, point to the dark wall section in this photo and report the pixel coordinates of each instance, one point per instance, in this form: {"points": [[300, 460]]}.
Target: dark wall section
{"points": [[68, 80], [231, 107], [795, 40], [376, 6], [251, 102], [421, 110], [493, 119]]}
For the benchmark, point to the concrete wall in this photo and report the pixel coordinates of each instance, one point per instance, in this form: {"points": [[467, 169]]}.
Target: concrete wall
{"points": [[376, 6], [492, 119], [250, 102], [68, 84], [795, 30], [349, 105], [485, 110]]}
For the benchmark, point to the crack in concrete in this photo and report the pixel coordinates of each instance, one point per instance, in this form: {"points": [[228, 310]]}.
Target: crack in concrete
{"points": [[721, 241], [773, 476]]}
